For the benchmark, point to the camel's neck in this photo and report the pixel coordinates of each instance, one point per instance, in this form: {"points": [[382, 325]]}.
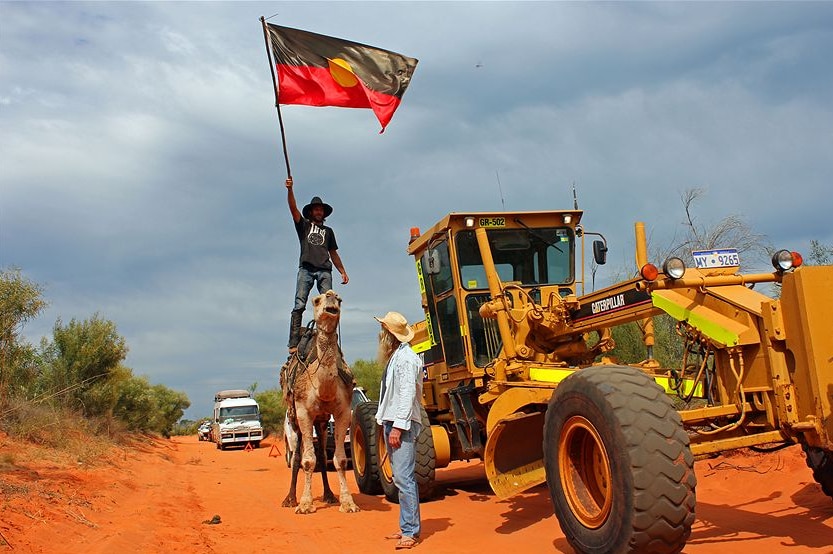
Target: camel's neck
{"points": [[326, 339], [327, 346]]}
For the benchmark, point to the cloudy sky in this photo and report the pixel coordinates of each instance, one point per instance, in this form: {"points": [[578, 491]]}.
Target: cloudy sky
{"points": [[141, 175]]}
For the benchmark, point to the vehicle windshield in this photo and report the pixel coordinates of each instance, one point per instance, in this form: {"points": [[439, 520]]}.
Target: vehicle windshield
{"points": [[237, 411], [529, 256]]}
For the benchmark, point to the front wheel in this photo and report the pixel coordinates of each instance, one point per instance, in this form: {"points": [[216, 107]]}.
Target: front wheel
{"points": [[425, 463], [618, 464], [363, 443], [821, 462]]}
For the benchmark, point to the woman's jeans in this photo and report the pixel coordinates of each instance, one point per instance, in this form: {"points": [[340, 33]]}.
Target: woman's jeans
{"points": [[403, 464]]}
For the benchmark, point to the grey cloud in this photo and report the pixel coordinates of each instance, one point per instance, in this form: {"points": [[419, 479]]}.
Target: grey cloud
{"points": [[141, 174]]}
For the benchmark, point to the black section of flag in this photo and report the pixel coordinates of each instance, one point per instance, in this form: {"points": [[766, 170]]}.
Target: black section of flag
{"points": [[380, 70]]}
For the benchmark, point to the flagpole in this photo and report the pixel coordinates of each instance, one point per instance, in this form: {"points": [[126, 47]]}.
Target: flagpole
{"points": [[277, 102]]}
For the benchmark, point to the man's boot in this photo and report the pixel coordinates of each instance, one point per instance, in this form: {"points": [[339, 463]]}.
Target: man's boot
{"points": [[295, 330]]}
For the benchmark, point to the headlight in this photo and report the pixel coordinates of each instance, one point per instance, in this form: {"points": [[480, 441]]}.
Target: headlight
{"points": [[674, 268], [784, 260]]}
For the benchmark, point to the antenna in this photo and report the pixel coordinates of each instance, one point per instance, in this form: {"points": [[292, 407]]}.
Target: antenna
{"points": [[500, 189], [575, 199]]}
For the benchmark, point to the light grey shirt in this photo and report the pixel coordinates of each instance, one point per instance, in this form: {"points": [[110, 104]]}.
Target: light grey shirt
{"points": [[401, 389]]}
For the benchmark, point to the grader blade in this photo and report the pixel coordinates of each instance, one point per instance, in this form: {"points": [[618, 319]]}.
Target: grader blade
{"points": [[514, 454]]}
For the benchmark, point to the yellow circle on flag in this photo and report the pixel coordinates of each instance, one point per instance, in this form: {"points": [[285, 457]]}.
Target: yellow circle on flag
{"points": [[342, 72]]}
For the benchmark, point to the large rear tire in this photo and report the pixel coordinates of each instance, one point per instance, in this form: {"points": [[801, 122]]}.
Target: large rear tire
{"points": [[821, 462], [425, 463], [618, 464], [363, 433]]}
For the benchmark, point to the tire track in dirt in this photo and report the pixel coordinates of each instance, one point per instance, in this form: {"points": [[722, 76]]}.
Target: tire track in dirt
{"points": [[151, 507]]}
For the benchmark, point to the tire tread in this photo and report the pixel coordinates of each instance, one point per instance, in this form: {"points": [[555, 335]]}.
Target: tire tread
{"points": [[657, 447], [364, 418], [821, 463]]}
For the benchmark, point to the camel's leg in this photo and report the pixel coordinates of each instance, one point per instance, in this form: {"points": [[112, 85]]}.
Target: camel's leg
{"points": [[321, 456], [342, 422], [307, 462], [291, 498]]}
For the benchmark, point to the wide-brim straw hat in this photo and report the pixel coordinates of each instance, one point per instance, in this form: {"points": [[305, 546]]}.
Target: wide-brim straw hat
{"points": [[316, 201], [397, 325]]}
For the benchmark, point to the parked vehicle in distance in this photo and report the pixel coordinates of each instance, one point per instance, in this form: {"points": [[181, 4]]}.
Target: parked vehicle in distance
{"points": [[290, 439], [204, 431], [236, 419]]}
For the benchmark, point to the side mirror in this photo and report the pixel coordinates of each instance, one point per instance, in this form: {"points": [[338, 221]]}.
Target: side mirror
{"points": [[599, 252], [431, 262]]}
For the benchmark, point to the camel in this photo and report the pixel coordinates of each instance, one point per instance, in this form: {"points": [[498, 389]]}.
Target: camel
{"points": [[316, 386]]}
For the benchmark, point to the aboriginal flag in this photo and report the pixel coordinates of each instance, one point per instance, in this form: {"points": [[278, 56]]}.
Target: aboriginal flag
{"points": [[317, 70]]}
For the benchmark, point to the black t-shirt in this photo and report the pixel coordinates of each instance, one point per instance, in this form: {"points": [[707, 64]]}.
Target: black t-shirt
{"points": [[316, 243]]}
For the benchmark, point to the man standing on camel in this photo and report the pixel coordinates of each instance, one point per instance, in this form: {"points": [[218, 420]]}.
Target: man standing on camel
{"points": [[319, 252]]}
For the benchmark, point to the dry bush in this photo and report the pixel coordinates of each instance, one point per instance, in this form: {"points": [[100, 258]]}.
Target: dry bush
{"points": [[32, 422], [7, 461], [65, 433]]}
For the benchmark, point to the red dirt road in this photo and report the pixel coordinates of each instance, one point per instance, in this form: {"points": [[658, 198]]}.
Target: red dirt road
{"points": [[157, 498]]}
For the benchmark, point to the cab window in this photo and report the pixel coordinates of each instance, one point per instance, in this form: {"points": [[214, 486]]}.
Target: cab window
{"points": [[531, 257], [442, 281]]}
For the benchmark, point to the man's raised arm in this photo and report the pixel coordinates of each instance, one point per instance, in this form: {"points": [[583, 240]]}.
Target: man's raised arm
{"points": [[290, 199]]}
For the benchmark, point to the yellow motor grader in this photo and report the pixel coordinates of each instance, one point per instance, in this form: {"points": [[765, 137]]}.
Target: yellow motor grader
{"points": [[517, 373]]}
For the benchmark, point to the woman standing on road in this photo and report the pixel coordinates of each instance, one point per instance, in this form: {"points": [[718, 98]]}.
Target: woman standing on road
{"points": [[399, 414]]}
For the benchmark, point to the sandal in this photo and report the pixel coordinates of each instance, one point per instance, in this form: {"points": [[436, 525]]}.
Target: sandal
{"points": [[394, 536], [406, 542]]}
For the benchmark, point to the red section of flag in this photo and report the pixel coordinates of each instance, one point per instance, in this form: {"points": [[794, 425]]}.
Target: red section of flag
{"points": [[315, 86], [317, 70]]}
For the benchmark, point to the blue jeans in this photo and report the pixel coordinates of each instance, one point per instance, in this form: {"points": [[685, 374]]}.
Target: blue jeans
{"points": [[303, 286], [403, 464]]}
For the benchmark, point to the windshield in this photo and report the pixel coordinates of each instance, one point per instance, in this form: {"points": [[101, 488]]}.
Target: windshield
{"points": [[531, 257], [237, 411]]}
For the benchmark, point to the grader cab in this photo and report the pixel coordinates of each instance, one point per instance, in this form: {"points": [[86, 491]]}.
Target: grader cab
{"points": [[517, 373]]}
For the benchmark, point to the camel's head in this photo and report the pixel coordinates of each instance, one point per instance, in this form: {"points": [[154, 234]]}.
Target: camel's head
{"points": [[327, 311]]}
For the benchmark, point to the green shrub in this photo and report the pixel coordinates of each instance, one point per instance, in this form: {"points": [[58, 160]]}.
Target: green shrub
{"points": [[368, 375], [272, 410]]}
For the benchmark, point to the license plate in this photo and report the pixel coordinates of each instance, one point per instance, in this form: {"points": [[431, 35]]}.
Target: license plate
{"points": [[492, 222], [707, 259]]}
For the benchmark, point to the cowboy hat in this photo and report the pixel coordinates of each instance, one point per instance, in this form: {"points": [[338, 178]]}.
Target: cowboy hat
{"points": [[397, 325], [316, 201]]}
